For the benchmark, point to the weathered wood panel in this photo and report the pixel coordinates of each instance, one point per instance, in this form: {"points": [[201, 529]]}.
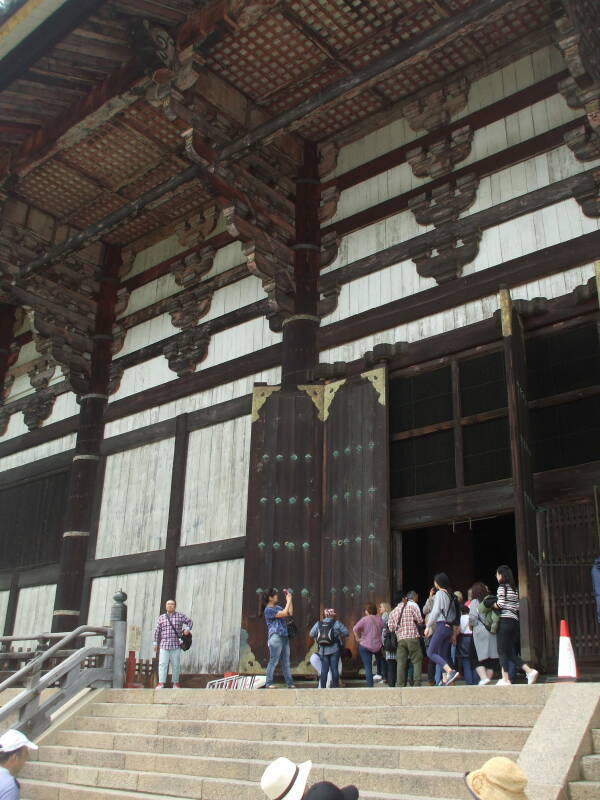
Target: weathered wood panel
{"points": [[59, 445], [4, 595], [211, 594], [34, 610], [467, 314], [135, 500], [216, 483], [355, 547], [143, 604], [194, 402], [485, 91]]}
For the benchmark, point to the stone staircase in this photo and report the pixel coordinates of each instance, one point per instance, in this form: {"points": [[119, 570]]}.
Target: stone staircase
{"points": [[589, 787], [394, 744]]}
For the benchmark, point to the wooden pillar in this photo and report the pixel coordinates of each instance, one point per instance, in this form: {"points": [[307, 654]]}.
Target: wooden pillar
{"points": [[82, 490], [299, 348], [522, 475], [7, 329], [11, 609], [169, 582]]}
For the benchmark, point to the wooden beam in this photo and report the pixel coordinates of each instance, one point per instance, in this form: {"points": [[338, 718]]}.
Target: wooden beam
{"points": [[410, 52], [35, 469], [176, 500], [209, 552], [44, 37], [478, 119], [124, 565], [549, 140]]}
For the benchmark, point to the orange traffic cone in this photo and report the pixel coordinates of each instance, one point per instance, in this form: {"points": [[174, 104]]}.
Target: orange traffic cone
{"points": [[567, 668]]}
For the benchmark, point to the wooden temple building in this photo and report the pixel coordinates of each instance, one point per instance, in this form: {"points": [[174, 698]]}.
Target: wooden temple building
{"points": [[297, 293]]}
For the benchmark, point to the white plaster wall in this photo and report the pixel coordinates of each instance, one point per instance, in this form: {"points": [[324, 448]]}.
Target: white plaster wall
{"points": [[135, 500], [216, 484], [35, 608], [143, 591], [211, 594]]}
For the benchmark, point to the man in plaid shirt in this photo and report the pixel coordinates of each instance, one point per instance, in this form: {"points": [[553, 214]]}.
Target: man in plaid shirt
{"points": [[167, 643], [403, 621]]}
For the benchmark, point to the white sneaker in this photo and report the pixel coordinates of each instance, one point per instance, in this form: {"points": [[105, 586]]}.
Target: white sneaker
{"points": [[377, 678], [484, 682], [503, 683], [532, 676], [160, 686]]}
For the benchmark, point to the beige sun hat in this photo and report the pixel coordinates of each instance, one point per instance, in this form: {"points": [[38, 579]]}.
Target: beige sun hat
{"points": [[284, 780], [498, 779]]}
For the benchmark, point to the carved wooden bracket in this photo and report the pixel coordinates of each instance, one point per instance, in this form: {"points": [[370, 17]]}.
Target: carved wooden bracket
{"points": [[18, 246], [329, 300], [584, 142], [196, 228], [447, 262], [330, 245], [435, 109], [115, 377], [440, 157], [186, 350], [586, 291], [188, 307], [277, 281], [247, 13], [384, 352], [588, 196], [445, 203], [189, 270], [67, 344], [328, 157], [38, 408], [329, 203]]}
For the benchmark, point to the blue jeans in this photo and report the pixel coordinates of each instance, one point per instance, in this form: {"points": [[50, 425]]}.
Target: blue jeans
{"points": [[330, 662], [166, 657], [279, 648], [469, 674], [438, 645], [366, 656]]}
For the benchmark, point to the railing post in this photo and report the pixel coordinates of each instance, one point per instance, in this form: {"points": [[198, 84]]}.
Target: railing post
{"points": [[118, 623]]}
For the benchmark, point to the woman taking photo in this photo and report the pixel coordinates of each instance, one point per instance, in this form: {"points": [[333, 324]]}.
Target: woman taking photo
{"points": [[277, 635], [368, 635], [508, 627], [443, 615]]}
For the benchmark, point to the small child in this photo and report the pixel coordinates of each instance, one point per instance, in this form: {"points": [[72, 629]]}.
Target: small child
{"points": [[328, 634], [465, 648]]}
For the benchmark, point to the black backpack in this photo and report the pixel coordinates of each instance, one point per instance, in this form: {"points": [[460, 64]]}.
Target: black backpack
{"points": [[390, 640], [325, 634], [453, 615]]}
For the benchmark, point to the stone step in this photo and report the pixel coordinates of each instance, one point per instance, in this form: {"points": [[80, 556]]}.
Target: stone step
{"points": [[452, 715], [430, 695], [584, 790], [380, 780], [477, 737], [591, 767], [47, 790], [214, 762]]}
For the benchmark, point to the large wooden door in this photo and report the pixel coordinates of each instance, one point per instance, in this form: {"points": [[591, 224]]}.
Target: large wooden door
{"points": [[356, 529], [569, 542], [522, 477]]}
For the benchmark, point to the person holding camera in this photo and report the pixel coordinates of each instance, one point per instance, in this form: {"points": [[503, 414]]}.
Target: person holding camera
{"points": [[276, 619], [328, 634]]}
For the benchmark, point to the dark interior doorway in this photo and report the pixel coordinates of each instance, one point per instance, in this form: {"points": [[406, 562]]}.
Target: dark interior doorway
{"points": [[467, 552]]}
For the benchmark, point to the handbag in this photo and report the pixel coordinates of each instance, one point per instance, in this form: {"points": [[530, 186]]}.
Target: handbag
{"points": [[292, 628], [185, 639]]}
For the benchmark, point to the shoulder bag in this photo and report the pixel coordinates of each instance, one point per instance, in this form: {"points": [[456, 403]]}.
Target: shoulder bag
{"points": [[185, 639]]}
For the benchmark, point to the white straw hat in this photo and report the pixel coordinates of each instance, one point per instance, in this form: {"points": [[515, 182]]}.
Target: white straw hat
{"points": [[283, 780], [13, 740]]}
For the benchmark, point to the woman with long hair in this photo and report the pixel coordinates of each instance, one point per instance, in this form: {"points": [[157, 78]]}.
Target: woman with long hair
{"points": [[277, 634], [484, 640], [444, 616], [508, 628]]}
